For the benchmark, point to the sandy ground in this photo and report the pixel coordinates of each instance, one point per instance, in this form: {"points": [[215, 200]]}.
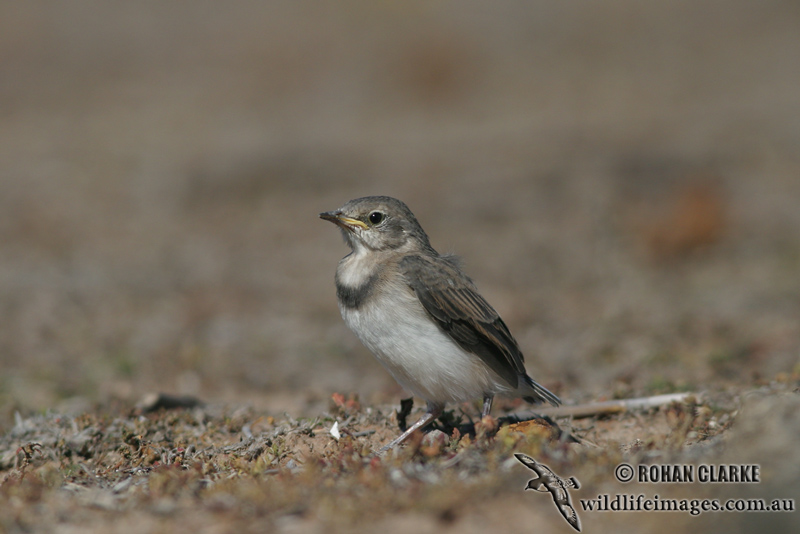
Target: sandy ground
{"points": [[620, 178]]}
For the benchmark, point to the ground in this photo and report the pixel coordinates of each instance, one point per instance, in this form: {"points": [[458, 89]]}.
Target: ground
{"points": [[619, 178], [231, 468]]}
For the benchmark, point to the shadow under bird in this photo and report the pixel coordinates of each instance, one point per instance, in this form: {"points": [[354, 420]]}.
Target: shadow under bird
{"points": [[421, 316]]}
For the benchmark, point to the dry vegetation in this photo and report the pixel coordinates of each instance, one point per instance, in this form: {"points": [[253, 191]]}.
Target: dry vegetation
{"points": [[621, 179], [214, 468]]}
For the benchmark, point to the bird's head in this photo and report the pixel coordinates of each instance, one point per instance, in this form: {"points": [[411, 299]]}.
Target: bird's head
{"points": [[378, 223]]}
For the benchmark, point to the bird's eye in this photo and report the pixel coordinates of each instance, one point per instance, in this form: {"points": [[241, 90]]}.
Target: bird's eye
{"points": [[376, 217]]}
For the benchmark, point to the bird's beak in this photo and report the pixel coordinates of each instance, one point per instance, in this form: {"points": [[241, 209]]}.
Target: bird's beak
{"points": [[338, 218]]}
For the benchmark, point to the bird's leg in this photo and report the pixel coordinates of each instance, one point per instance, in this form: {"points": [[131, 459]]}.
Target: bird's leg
{"points": [[406, 405], [434, 411], [487, 405]]}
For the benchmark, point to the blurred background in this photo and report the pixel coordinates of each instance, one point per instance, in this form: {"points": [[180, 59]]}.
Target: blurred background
{"points": [[621, 178]]}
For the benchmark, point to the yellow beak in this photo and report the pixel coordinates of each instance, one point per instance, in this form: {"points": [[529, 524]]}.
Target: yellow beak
{"points": [[337, 218]]}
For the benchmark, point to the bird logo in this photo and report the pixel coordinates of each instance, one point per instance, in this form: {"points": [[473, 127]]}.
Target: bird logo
{"points": [[548, 481]]}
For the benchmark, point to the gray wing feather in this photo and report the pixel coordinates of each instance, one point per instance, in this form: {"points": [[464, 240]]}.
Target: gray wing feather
{"points": [[451, 298]]}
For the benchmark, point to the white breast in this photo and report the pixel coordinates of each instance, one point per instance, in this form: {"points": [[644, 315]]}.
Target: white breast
{"points": [[418, 354], [354, 269]]}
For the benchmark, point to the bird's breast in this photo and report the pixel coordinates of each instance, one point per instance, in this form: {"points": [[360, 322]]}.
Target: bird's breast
{"points": [[395, 327], [356, 277]]}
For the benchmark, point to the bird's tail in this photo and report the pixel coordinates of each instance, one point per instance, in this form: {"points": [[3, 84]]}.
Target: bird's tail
{"points": [[536, 393]]}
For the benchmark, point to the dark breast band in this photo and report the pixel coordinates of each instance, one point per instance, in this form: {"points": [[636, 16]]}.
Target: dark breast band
{"points": [[355, 297]]}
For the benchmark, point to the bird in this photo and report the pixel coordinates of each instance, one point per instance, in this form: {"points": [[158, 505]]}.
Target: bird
{"points": [[421, 316], [547, 480]]}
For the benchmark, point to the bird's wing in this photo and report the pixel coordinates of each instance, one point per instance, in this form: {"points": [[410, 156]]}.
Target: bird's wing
{"points": [[564, 504], [451, 298], [569, 513], [526, 460], [545, 471], [559, 493]]}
